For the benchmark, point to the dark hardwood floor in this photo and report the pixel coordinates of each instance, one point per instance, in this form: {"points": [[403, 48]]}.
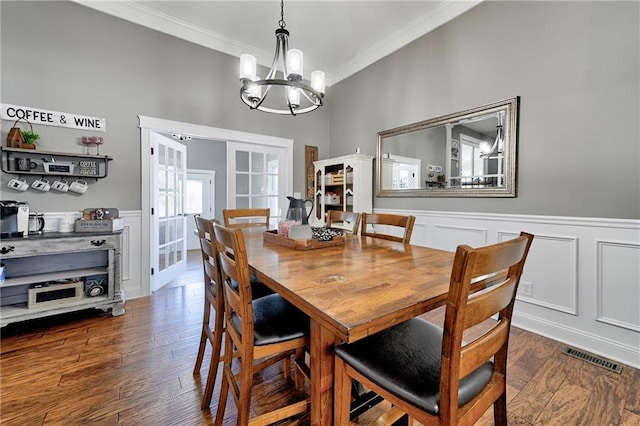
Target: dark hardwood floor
{"points": [[136, 369]]}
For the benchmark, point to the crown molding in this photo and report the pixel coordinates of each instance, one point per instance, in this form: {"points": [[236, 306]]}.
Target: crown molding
{"points": [[137, 13], [420, 26]]}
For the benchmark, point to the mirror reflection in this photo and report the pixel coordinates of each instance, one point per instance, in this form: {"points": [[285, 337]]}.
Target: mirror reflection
{"points": [[470, 153]]}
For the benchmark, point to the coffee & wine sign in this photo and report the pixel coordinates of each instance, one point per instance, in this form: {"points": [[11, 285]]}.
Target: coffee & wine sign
{"points": [[53, 118]]}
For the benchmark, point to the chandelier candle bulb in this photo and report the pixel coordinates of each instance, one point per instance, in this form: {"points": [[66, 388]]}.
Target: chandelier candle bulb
{"points": [[294, 58], [317, 81], [247, 67], [294, 96]]}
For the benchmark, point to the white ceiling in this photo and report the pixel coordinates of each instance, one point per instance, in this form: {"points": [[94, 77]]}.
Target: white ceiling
{"points": [[337, 37]]}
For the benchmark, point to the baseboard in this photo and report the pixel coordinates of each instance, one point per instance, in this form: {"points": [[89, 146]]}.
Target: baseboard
{"points": [[590, 342]]}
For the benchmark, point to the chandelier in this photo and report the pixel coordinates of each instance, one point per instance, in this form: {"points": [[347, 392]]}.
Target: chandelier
{"points": [[491, 151], [291, 95]]}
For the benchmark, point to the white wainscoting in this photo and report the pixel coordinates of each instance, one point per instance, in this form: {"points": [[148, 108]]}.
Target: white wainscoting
{"points": [[131, 251], [584, 274], [131, 247]]}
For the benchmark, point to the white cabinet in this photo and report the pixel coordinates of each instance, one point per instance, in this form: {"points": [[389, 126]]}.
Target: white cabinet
{"points": [[344, 183], [57, 273]]}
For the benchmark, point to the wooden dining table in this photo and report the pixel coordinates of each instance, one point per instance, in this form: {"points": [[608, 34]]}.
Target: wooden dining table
{"points": [[350, 291]]}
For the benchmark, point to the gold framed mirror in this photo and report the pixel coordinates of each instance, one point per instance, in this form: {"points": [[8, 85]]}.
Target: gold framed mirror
{"points": [[470, 153]]}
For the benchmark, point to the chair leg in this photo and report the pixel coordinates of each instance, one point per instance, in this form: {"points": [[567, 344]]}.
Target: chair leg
{"points": [[246, 382], [298, 378], [215, 359], [500, 411], [227, 376], [203, 336], [342, 394], [286, 367]]}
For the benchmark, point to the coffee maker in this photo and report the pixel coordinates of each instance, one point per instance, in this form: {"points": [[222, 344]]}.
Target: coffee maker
{"points": [[14, 219]]}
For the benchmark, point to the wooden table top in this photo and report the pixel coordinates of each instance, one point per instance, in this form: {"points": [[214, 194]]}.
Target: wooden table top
{"points": [[357, 289]]}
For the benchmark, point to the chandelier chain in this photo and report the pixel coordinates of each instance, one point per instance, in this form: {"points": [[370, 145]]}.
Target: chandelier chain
{"points": [[281, 22]]}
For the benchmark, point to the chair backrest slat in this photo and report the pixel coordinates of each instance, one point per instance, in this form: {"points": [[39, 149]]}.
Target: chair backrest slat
{"points": [[486, 303], [490, 343], [246, 218], [400, 221], [345, 218]]}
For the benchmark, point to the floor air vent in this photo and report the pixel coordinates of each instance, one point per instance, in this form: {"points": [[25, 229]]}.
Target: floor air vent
{"points": [[596, 360]]}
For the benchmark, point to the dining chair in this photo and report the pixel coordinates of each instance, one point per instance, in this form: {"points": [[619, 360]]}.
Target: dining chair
{"points": [[346, 220], [263, 331], [246, 218], [249, 218], [430, 373], [211, 332], [395, 220]]}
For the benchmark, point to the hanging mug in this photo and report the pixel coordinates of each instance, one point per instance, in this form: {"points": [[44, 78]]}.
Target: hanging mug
{"points": [[80, 186], [41, 184], [19, 184], [60, 185]]}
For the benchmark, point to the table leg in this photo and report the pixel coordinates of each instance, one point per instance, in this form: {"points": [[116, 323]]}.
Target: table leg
{"points": [[322, 368]]}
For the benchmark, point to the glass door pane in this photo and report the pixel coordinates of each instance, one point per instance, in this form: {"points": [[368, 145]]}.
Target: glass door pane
{"points": [[256, 182]]}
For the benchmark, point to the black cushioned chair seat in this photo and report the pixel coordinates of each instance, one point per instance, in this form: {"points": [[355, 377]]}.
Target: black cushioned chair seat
{"points": [[405, 360], [275, 320], [258, 288]]}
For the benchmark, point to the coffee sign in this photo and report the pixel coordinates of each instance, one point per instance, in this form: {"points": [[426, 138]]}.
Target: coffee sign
{"points": [[53, 118], [88, 168]]}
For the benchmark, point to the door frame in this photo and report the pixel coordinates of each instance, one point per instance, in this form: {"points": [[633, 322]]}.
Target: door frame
{"points": [[212, 192], [149, 125]]}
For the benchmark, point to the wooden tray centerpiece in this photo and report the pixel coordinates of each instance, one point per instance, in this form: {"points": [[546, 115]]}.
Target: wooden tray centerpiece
{"points": [[310, 244]]}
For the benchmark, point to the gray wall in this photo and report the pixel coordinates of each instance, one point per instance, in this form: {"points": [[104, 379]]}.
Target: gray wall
{"points": [[575, 66], [65, 57]]}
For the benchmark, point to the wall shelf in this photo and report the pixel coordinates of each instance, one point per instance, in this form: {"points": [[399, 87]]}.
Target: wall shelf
{"points": [[83, 165]]}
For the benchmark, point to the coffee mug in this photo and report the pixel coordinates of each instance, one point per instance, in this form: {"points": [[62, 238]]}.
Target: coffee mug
{"points": [[66, 224], [25, 165], [80, 186], [60, 185], [19, 184], [41, 184]]}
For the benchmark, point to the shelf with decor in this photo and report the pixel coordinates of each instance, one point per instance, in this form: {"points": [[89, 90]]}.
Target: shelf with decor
{"points": [[344, 183], [20, 161]]}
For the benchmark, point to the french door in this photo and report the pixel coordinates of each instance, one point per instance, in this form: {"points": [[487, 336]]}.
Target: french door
{"points": [[150, 130], [169, 163], [258, 178]]}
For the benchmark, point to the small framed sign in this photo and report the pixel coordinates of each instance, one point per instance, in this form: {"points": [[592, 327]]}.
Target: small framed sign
{"points": [[455, 150], [88, 168]]}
